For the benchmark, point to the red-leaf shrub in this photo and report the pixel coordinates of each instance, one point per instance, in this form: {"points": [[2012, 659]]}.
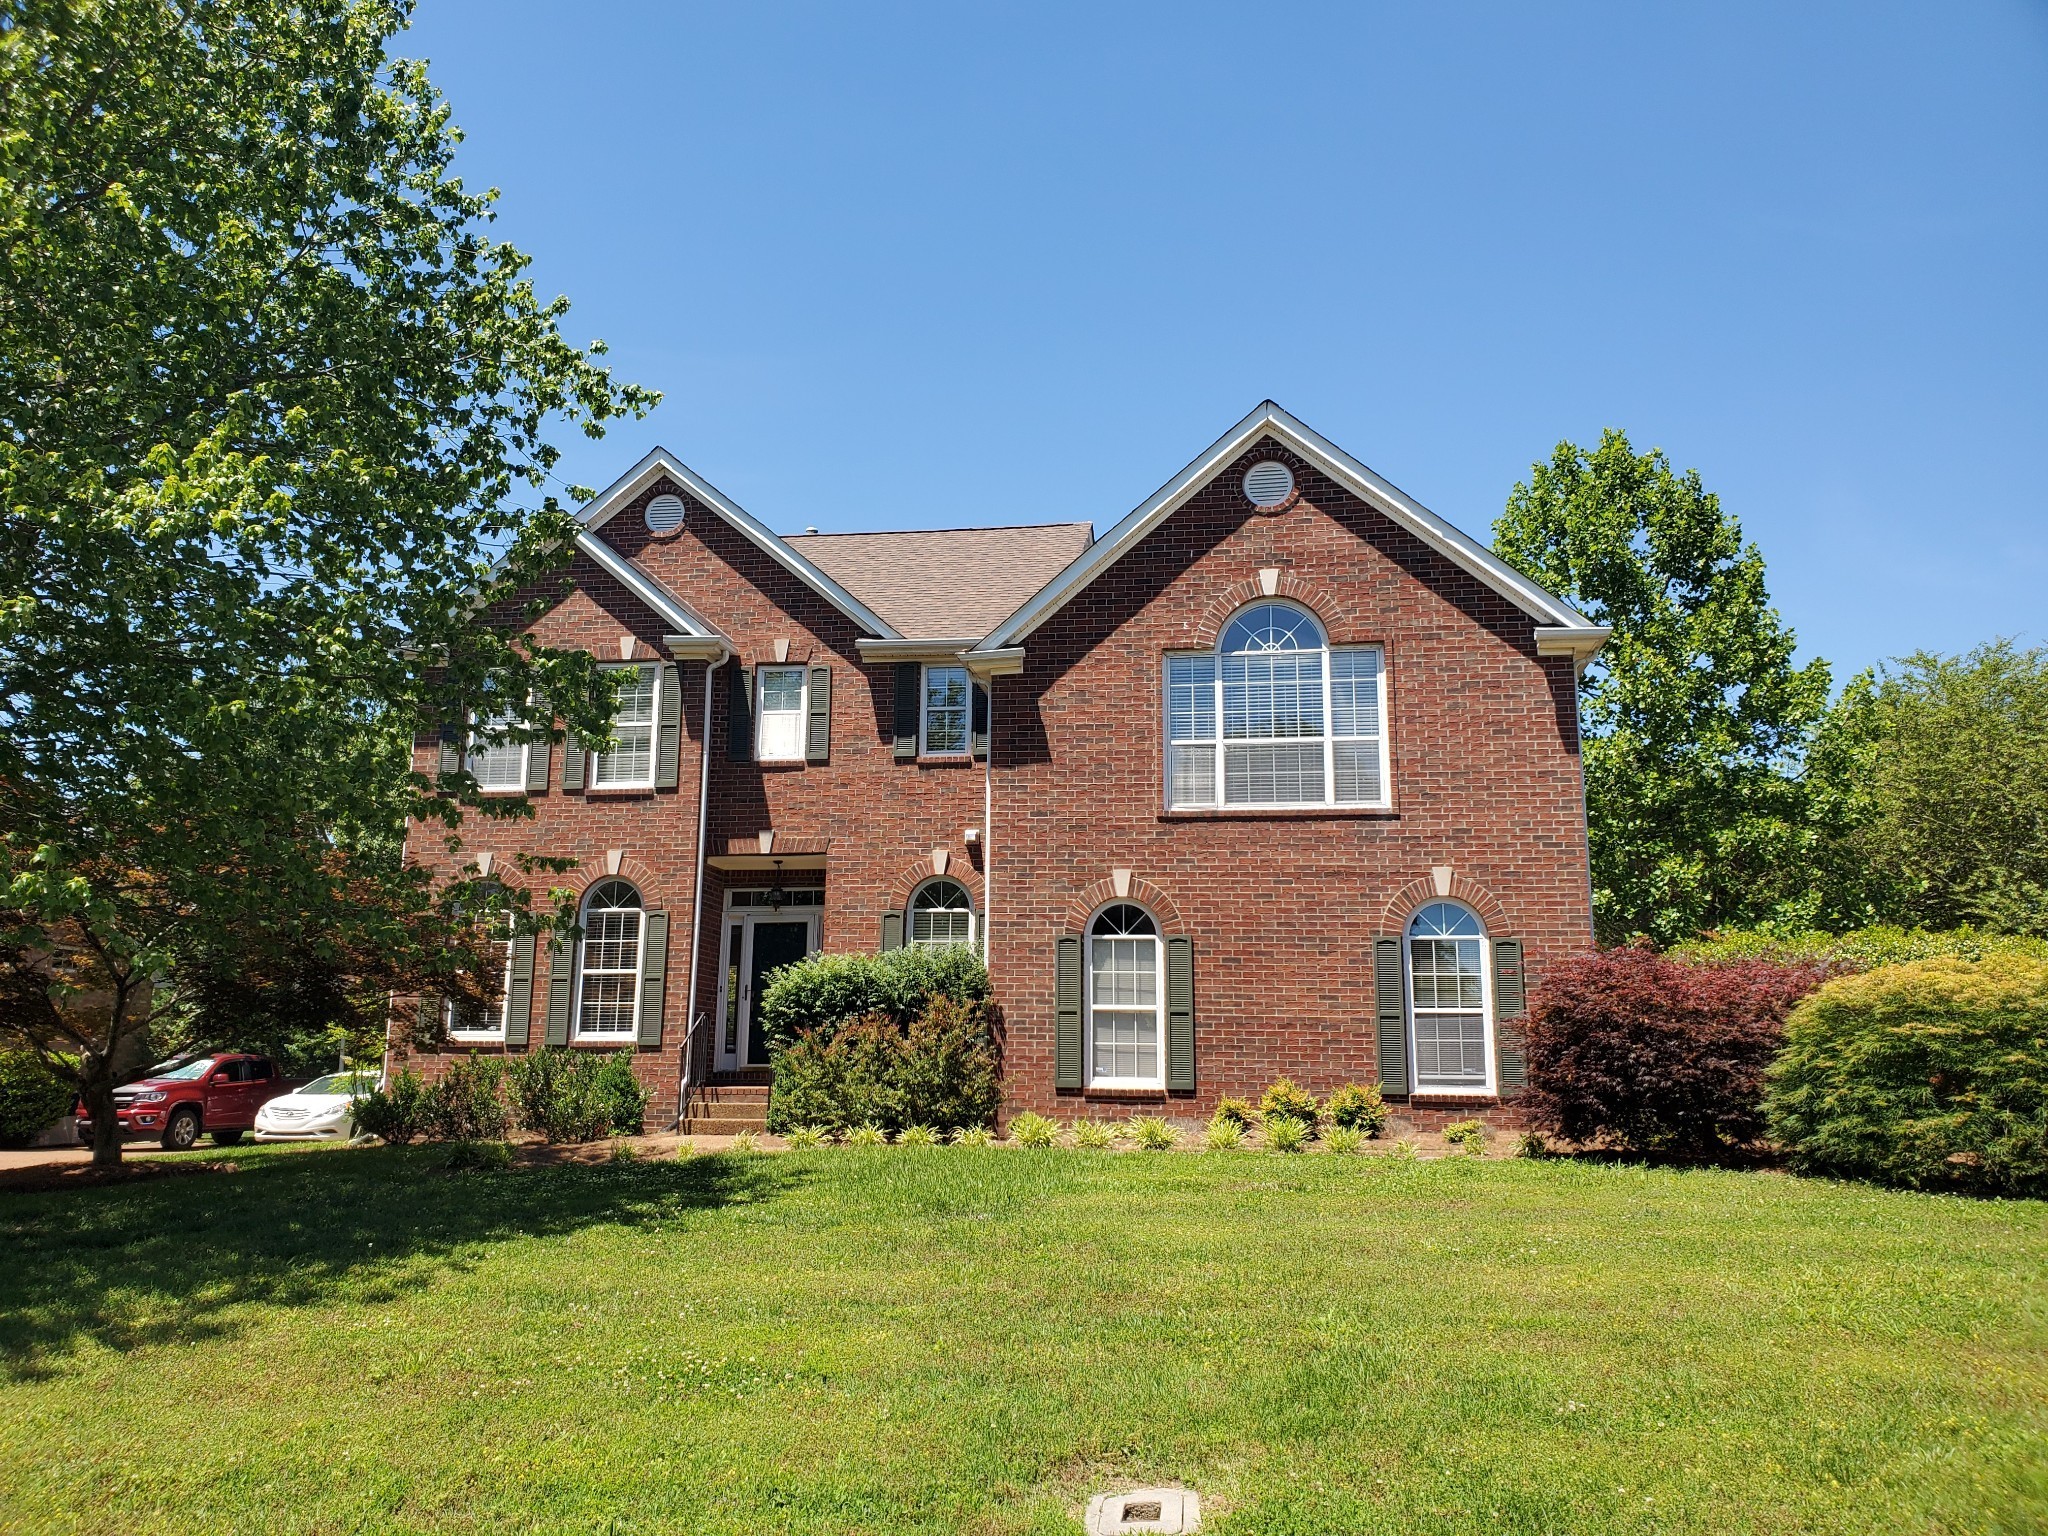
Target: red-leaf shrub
{"points": [[1633, 1050]]}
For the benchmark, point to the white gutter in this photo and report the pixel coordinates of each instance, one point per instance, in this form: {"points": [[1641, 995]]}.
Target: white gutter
{"points": [[988, 840], [697, 900]]}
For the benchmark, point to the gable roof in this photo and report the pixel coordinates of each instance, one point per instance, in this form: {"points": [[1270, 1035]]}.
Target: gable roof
{"points": [[659, 463], [1569, 631], [666, 605], [946, 583]]}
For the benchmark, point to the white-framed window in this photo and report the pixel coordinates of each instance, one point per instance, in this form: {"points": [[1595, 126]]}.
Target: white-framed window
{"points": [[608, 986], [468, 1020], [1275, 718], [780, 713], [630, 762], [499, 767], [1126, 996], [941, 915], [946, 708], [1449, 1000]]}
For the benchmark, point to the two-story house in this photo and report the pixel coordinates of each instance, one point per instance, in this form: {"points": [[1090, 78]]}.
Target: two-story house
{"points": [[1280, 774]]}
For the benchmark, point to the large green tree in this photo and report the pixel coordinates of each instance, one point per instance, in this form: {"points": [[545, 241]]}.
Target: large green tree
{"points": [[1695, 715], [274, 428]]}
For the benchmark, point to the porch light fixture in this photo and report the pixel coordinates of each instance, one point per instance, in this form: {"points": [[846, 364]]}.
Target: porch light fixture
{"points": [[776, 894]]}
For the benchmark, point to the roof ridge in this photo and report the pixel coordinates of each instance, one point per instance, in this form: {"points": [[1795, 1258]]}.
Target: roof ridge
{"points": [[890, 533]]}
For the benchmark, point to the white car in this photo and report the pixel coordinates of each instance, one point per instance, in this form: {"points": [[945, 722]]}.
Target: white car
{"points": [[320, 1111]]}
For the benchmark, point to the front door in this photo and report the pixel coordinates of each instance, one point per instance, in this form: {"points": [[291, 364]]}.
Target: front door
{"points": [[755, 946]]}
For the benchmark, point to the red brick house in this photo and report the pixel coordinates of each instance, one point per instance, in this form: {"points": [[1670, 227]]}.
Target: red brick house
{"points": [[1278, 775]]}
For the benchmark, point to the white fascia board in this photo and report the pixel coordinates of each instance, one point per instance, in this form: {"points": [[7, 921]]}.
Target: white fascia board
{"points": [[1005, 662], [1580, 642], [1270, 420], [697, 648], [913, 650], [660, 462], [651, 592]]}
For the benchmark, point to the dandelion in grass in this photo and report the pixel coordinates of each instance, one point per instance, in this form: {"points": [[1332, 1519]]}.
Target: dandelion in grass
{"points": [[869, 1135], [918, 1136], [1152, 1134], [1093, 1136], [1223, 1135], [1347, 1140], [1032, 1130], [1284, 1133]]}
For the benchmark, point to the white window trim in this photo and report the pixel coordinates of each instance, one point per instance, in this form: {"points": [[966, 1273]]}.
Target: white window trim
{"points": [[924, 711], [1220, 744], [1148, 1084], [597, 779], [497, 1031], [631, 1031], [803, 711], [910, 915], [469, 756], [1491, 1088]]}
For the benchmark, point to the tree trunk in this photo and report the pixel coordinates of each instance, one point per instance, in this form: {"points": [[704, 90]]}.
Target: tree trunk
{"points": [[99, 1104]]}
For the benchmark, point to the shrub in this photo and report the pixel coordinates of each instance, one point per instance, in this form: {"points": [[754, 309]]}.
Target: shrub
{"points": [[975, 1136], [1289, 1102], [1223, 1135], [1644, 1053], [399, 1112], [1033, 1130], [1466, 1136], [624, 1151], [1345, 1139], [1863, 949], [1532, 1144], [868, 1135], [1093, 1135], [31, 1097], [478, 1156], [745, 1143], [818, 995], [1932, 1075], [1152, 1134], [1284, 1133], [566, 1095], [803, 1137], [1239, 1112], [1358, 1106], [918, 1136], [468, 1103], [1403, 1150], [939, 1070], [619, 1094], [949, 1072]]}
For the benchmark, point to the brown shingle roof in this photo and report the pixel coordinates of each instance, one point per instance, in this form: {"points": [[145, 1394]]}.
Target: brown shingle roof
{"points": [[946, 583]]}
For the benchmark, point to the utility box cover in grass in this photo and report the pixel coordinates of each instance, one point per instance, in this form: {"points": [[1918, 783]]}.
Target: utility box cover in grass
{"points": [[1145, 1509]]}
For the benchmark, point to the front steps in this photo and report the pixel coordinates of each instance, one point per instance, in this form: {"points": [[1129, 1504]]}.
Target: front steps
{"points": [[730, 1103]]}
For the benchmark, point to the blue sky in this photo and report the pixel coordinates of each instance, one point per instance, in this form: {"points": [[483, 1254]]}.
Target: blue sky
{"points": [[925, 266]]}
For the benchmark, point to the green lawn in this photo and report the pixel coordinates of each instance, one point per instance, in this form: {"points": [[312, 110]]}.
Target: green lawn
{"points": [[973, 1341]]}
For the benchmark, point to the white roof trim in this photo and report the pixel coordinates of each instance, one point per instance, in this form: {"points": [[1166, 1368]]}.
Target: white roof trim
{"points": [[643, 586], [1270, 420], [661, 462]]}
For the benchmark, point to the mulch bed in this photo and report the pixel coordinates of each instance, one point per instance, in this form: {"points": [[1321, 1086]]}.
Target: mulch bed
{"points": [[44, 1177]]}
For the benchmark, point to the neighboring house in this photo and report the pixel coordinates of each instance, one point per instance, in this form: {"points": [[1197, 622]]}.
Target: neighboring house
{"points": [[1278, 776]]}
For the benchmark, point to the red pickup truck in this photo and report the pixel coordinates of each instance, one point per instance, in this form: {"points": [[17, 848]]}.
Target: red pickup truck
{"points": [[217, 1093]]}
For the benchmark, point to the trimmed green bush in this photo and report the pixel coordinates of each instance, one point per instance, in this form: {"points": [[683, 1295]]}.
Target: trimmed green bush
{"points": [[1241, 1113], [939, 1070], [468, 1103], [1033, 1130], [566, 1095], [1932, 1075], [821, 994], [1358, 1107], [402, 1111], [1466, 1135], [1282, 1098], [31, 1097]]}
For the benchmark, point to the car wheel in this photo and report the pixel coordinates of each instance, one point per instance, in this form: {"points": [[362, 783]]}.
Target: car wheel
{"points": [[225, 1138], [182, 1133]]}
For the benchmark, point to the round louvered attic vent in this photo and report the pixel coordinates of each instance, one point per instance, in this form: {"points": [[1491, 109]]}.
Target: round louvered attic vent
{"points": [[1268, 483], [665, 514]]}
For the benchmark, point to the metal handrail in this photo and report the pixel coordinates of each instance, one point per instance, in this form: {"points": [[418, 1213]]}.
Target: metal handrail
{"points": [[688, 1087]]}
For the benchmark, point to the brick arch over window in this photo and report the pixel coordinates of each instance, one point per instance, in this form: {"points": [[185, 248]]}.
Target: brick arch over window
{"points": [[1086, 903], [1405, 902], [907, 882], [652, 889]]}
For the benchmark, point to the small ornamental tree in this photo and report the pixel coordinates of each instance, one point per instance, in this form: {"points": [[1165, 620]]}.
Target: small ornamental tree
{"points": [[1633, 1050]]}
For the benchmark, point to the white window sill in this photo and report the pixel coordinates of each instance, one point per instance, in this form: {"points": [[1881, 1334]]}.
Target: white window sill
{"points": [[1466, 1091], [613, 789], [1126, 1085], [1306, 808], [505, 789], [477, 1036]]}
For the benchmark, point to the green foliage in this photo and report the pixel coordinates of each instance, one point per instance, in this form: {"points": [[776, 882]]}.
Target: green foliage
{"points": [[1358, 1106], [619, 1092], [1286, 1133], [1094, 1135], [1694, 715], [975, 1136], [815, 996], [468, 1102], [1345, 1140], [1932, 1075], [1283, 1098], [1403, 1150], [939, 1070], [624, 1151], [1225, 1134], [803, 1137], [399, 1112], [32, 1097], [477, 1157], [1238, 1112], [1150, 1133], [1033, 1130], [567, 1096], [745, 1143], [1861, 949], [918, 1136], [867, 1135], [1533, 1144], [1468, 1136]]}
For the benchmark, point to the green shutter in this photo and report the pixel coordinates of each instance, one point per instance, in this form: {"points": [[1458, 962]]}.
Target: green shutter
{"points": [[573, 771], [653, 976], [561, 968], [519, 991], [1391, 999], [451, 749], [1066, 1070], [1510, 1002], [818, 729], [668, 733], [892, 930], [1180, 1015], [978, 742], [909, 680], [429, 1017], [739, 715], [537, 766]]}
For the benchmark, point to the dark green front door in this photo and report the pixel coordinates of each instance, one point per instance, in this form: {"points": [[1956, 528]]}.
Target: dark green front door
{"points": [[775, 944]]}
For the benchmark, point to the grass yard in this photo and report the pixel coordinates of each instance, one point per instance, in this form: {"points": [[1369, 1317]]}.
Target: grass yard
{"points": [[974, 1341]]}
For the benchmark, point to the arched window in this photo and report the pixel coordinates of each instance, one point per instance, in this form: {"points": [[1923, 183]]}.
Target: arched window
{"points": [[1447, 994], [1124, 999], [608, 996], [1291, 720], [941, 915]]}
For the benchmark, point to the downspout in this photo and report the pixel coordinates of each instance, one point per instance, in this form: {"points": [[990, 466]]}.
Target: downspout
{"points": [[988, 840], [697, 899]]}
